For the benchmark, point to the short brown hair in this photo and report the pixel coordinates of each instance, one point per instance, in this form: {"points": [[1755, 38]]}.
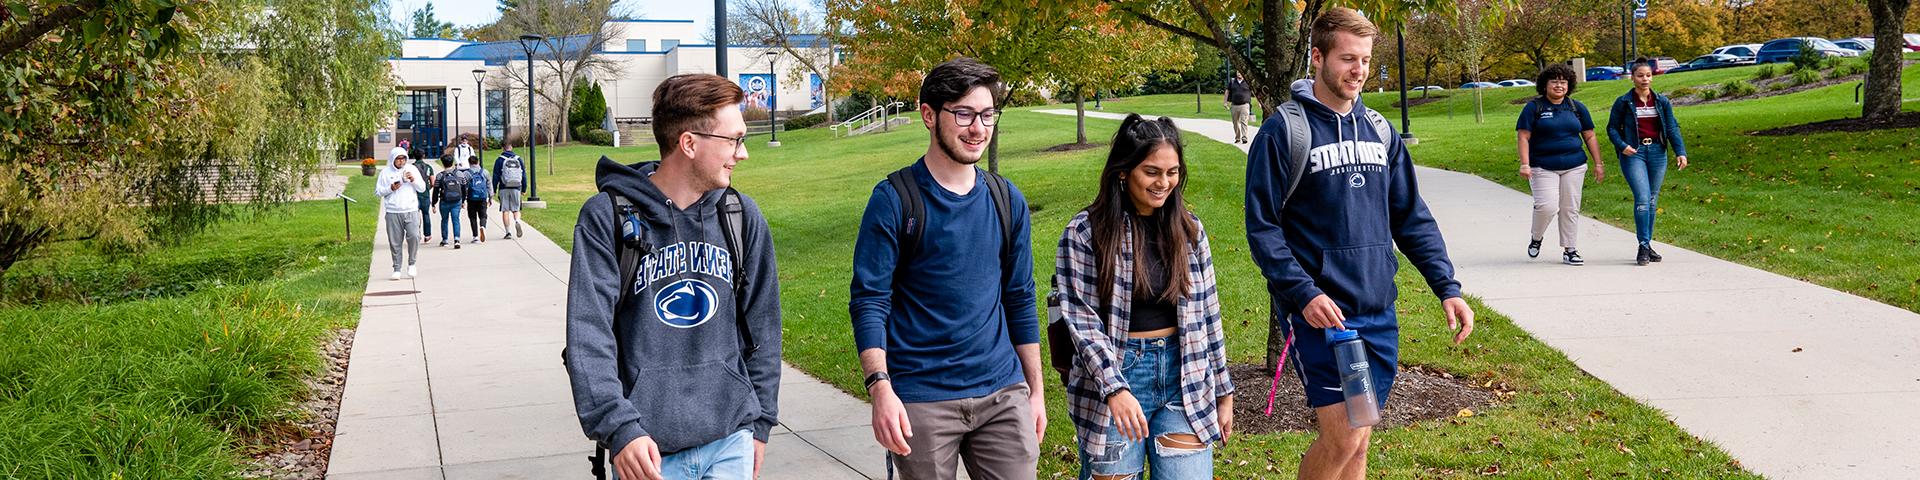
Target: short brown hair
{"points": [[1340, 19], [688, 102]]}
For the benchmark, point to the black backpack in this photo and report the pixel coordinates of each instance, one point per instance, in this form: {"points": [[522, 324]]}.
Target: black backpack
{"points": [[913, 211], [452, 186]]}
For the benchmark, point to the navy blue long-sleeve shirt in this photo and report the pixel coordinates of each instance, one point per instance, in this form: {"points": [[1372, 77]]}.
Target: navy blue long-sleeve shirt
{"points": [[950, 317], [1357, 200]]}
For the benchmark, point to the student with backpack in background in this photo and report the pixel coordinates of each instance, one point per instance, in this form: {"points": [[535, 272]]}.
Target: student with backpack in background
{"points": [[943, 298], [673, 309], [479, 190], [450, 192], [425, 166], [509, 177]]}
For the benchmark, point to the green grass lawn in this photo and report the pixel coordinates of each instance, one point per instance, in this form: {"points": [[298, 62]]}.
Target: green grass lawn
{"points": [[1560, 421], [1829, 208], [162, 364]]}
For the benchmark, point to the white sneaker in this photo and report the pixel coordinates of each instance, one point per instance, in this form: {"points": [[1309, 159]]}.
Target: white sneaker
{"points": [[413, 271], [396, 275]]}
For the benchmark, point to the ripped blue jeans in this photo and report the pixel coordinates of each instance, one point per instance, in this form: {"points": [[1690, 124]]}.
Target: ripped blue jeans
{"points": [[1152, 368], [1644, 171]]}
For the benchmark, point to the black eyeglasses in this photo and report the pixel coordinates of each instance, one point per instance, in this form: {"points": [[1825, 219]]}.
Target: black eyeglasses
{"points": [[738, 142], [965, 118]]}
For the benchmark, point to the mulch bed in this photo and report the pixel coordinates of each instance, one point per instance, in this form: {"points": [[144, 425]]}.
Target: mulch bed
{"points": [[1763, 86], [300, 448], [1069, 147], [1903, 120], [1419, 393], [1420, 100]]}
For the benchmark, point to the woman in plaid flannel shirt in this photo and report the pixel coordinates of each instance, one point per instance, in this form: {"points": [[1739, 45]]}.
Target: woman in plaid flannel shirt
{"points": [[1149, 361]]}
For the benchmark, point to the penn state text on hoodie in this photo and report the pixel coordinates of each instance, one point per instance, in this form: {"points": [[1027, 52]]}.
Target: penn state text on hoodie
{"points": [[1358, 198]]}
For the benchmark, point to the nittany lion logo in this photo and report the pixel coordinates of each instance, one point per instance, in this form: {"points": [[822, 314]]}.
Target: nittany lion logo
{"points": [[1356, 180], [685, 304]]}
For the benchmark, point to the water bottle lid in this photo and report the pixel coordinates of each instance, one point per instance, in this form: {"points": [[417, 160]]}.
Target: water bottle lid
{"points": [[1334, 336]]}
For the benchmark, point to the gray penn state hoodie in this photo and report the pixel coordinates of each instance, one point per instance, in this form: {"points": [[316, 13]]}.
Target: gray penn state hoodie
{"points": [[669, 362]]}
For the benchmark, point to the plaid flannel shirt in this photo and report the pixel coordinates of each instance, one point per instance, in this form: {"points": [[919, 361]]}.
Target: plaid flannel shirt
{"points": [[1097, 374]]}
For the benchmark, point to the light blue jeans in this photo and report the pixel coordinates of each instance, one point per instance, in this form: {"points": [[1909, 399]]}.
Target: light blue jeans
{"points": [[729, 458], [1645, 170], [449, 212], [1152, 368]]}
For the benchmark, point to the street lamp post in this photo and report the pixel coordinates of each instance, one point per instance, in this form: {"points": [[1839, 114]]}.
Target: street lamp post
{"points": [[1406, 128], [773, 102], [456, 116], [480, 111], [533, 182]]}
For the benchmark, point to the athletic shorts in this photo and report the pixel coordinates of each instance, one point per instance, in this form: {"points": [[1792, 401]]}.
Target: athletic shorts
{"points": [[1313, 358], [509, 199]]}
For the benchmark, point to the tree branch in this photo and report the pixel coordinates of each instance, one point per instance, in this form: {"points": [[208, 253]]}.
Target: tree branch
{"points": [[33, 30], [1169, 27]]}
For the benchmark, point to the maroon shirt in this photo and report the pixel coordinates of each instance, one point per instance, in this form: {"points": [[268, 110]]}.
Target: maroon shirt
{"points": [[1648, 116]]}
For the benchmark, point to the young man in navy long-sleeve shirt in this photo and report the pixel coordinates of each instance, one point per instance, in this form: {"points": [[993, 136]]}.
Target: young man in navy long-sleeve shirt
{"points": [[1327, 252], [948, 332]]}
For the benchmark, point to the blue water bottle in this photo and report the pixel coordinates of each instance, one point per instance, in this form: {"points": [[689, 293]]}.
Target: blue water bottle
{"points": [[1356, 379]]}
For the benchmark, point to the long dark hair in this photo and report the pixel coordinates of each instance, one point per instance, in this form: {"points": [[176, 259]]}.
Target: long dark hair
{"points": [[1113, 208]]}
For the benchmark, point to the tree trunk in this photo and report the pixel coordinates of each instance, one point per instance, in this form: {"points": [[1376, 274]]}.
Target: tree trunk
{"points": [[1881, 102], [993, 149], [1080, 118], [16, 241]]}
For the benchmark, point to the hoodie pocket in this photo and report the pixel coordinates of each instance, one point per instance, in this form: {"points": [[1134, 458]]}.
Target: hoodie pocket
{"points": [[1360, 279], [685, 406]]}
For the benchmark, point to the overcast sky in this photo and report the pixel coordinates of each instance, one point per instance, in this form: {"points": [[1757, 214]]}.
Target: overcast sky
{"points": [[476, 12]]}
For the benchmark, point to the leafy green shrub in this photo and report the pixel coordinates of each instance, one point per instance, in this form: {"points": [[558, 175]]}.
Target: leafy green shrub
{"points": [[1684, 92], [1025, 97], [1737, 88], [1805, 76], [1778, 86], [593, 135], [1848, 68], [1766, 71], [806, 121], [1829, 63], [1808, 58], [1709, 94]]}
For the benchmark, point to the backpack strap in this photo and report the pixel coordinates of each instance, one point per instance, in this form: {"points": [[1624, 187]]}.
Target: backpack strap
{"points": [[733, 223], [913, 212], [1299, 142], [629, 255], [1002, 191], [1381, 127]]}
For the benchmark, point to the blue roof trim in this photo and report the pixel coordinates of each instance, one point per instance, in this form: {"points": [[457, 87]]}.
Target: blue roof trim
{"points": [[440, 39], [631, 53]]}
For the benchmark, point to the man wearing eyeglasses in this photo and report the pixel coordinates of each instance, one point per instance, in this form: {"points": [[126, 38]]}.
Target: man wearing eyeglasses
{"points": [[943, 298], [673, 311]]}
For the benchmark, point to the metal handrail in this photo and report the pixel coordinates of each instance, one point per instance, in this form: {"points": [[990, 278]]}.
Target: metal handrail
{"points": [[882, 113]]}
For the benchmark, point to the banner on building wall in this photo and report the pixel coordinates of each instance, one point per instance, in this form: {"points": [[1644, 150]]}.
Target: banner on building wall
{"points": [[759, 88], [817, 89]]}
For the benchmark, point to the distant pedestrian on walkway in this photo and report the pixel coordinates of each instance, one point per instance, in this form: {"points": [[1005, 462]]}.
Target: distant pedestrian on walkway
{"points": [[1135, 272], [1325, 208], [1240, 102], [1643, 130], [943, 303], [479, 191], [1553, 130], [450, 193], [509, 178], [463, 153], [425, 166], [673, 311], [396, 187]]}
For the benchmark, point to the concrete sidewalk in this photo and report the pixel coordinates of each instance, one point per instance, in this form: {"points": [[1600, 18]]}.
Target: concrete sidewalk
{"points": [[1793, 379], [456, 374]]}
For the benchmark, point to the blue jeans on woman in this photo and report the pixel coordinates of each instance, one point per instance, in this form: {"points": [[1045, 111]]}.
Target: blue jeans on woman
{"points": [[1152, 369], [450, 212], [1645, 170]]}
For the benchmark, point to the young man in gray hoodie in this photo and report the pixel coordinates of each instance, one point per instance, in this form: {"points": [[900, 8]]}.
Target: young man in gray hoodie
{"points": [[673, 325]]}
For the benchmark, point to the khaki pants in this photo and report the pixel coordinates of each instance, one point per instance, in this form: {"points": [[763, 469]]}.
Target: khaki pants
{"points": [[1241, 115], [992, 434], [1557, 193]]}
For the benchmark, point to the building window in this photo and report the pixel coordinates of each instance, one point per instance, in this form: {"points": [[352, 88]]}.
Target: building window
{"points": [[666, 45], [637, 45], [498, 114]]}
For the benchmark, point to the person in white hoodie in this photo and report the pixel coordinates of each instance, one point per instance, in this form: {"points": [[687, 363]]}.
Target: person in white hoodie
{"points": [[399, 186]]}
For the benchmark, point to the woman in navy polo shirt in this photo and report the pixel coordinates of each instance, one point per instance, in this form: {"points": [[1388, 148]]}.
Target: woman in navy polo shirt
{"points": [[1552, 130]]}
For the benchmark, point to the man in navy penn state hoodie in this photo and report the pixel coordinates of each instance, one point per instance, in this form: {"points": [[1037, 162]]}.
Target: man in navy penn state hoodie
{"points": [[1327, 254], [662, 375]]}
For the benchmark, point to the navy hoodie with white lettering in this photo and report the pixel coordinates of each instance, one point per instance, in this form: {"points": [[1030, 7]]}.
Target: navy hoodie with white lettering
{"points": [[669, 362], [1356, 201]]}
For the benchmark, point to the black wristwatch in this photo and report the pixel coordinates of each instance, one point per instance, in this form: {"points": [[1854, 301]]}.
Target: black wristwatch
{"points": [[876, 377]]}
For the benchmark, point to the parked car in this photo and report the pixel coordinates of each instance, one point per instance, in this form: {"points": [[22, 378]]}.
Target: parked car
{"points": [[1784, 49], [1479, 85], [1707, 62], [1516, 83], [1746, 52], [1663, 64], [1605, 73], [1861, 44], [1428, 88], [1913, 42]]}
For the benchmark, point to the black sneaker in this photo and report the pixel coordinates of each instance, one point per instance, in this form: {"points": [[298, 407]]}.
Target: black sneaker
{"points": [[1644, 256], [1572, 257], [1653, 255], [1533, 249]]}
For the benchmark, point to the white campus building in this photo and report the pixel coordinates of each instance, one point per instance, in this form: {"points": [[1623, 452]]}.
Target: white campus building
{"points": [[436, 80]]}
